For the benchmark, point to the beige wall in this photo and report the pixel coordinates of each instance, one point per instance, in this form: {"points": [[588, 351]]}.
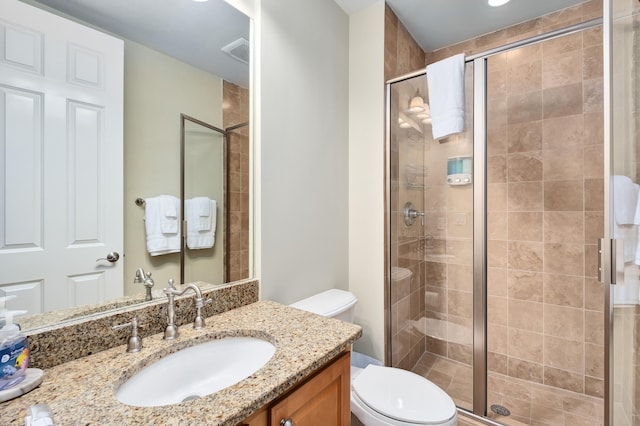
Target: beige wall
{"points": [[303, 147], [366, 175], [157, 89]]}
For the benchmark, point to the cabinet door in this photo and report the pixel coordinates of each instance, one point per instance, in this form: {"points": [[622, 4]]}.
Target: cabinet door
{"points": [[261, 418], [324, 400]]}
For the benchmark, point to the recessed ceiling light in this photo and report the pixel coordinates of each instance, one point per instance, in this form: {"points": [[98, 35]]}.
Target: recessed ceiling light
{"points": [[202, 1], [497, 2]]}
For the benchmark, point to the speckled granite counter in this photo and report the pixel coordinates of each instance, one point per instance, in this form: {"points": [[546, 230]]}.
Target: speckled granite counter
{"points": [[82, 392]]}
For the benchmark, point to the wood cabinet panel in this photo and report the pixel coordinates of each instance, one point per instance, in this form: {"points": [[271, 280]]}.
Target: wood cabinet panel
{"points": [[324, 400]]}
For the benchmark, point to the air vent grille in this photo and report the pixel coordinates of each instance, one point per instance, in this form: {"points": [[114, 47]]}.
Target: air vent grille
{"points": [[238, 50]]}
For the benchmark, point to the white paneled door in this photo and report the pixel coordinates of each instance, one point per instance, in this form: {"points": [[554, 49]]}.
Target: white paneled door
{"points": [[61, 177]]}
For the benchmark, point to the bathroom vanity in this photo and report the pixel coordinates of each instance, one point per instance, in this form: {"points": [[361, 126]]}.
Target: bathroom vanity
{"points": [[308, 374]]}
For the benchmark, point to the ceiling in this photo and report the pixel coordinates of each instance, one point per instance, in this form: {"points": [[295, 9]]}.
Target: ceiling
{"points": [[195, 32], [439, 23], [190, 31]]}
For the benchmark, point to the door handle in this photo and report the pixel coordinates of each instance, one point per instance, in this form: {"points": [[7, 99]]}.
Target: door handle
{"points": [[111, 257]]}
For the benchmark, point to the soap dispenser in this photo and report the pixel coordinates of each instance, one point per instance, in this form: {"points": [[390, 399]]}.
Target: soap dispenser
{"points": [[14, 351]]}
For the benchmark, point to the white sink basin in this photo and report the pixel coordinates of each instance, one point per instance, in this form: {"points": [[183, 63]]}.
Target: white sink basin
{"points": [[196, 371]]}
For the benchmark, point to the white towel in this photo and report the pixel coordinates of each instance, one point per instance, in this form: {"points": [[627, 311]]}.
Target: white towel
{"points": [[625, 200], [445, 79], [199, 236], [205, 209], [156, 221]]}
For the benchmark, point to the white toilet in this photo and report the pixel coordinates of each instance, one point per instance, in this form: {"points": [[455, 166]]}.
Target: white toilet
{"points": [[383, 396]]}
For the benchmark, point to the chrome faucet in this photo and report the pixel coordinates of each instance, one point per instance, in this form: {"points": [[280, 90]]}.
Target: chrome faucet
{"points": [[145, 279], [171, 331]]}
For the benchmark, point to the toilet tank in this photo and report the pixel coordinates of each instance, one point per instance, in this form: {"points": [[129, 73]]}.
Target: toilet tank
{"points": [[332, 303]]}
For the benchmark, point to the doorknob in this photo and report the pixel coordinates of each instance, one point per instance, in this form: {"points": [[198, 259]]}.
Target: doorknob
{"points": [[111, 257]]}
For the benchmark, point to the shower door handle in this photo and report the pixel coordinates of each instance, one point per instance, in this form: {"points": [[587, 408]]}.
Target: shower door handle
{"points": [[410, 214]]}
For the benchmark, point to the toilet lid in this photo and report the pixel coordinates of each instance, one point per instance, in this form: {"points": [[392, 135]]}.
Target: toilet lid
{"points": [[402, 395]]}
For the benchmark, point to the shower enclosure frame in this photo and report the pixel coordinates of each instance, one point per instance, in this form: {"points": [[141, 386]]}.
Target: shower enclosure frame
{"points": [[479, 332]]}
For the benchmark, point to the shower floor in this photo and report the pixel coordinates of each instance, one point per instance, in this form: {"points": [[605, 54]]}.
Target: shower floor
{"points": [[529, 403]]}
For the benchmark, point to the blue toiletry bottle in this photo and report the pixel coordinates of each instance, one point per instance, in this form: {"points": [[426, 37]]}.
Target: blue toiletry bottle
{"points": [[14, 352]]}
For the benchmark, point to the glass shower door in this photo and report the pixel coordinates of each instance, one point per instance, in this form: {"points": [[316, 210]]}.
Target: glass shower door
{"points": [[622, 20], [431, 241]]}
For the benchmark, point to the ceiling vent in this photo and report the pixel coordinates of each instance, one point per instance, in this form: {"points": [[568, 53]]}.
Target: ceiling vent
{"points": [[238, 50]]}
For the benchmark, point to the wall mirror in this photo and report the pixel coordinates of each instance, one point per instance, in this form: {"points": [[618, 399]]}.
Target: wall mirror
{"points": [[170, 68]]}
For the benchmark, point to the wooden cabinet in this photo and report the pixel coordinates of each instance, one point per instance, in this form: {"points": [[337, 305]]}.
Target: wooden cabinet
{"points": [[322, 400]]}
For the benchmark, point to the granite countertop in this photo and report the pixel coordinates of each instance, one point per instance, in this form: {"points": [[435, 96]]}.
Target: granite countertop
{"points": [[82, 392]]}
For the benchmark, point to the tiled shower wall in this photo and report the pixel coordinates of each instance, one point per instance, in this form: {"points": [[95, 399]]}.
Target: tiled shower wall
{"points": [[545, 195], [546, 211], [235, 110]]}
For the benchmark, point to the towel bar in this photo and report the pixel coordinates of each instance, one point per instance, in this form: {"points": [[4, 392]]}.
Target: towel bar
{"points": [[140, 202]]}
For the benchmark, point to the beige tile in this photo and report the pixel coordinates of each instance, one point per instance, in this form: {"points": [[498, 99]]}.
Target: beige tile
{"points": [[525, 285], [497, 339], [593, 129], [547, 416], [593, 95], [525, 196], [546, 396], [593, 226], [525, 315], [594, 387], [460, 303], [497, 282], [497, 225], [524, 77], [496, 197], [496, 84], [594, 328], [563, 131], [563, 195], [525, 54], [525, 226], [460, 277], [525, 166], [594, 360], [563, 226], [565, 259], [593, 161], [562, 101], [525, 370], [560, 45], [593, 194], [592, 62], [497, 311], [592, 37], [497, 254], [526, 107], [497, 363], [564, 290], [518, 408], [563, 163], [525, 256], [565, 323], [594, 294], [560, 70], [496, 169], [563, 18], [524, 137], [497, 138], [565, 355], [525, 345]]}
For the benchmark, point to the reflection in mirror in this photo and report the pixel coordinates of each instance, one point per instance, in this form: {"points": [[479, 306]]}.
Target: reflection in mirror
{"points": [[204, 201], [158, 86]]}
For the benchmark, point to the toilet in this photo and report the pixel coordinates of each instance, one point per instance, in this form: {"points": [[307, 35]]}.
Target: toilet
{"points": [[384, 396]]}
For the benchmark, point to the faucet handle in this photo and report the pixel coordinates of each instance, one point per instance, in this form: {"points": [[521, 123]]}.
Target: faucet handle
{"points": [[172, 284], [134, 344]]}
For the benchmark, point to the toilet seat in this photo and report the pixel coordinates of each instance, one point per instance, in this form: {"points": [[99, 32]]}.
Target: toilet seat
{"points": [[403, 396]]}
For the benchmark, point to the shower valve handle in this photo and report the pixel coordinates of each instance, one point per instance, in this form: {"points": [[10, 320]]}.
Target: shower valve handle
{"points": [[410, 214]]}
